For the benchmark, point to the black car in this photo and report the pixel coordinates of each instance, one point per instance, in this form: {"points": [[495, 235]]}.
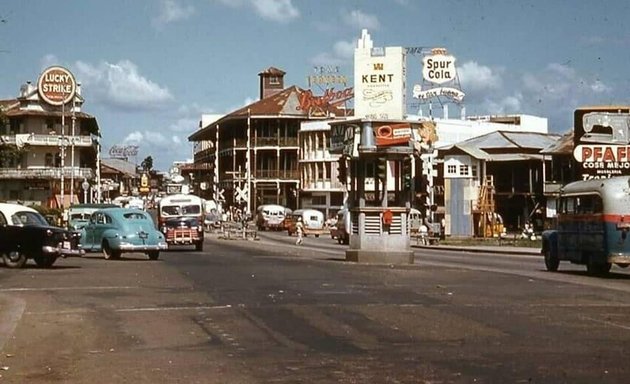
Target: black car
{"points": [[25, 234]]}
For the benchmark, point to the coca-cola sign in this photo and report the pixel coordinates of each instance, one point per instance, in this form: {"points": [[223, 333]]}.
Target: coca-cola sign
{"points": [[123, 151]]}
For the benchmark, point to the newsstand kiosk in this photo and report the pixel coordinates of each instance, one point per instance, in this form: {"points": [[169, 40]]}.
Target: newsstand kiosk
{"points": [[377, 163]]}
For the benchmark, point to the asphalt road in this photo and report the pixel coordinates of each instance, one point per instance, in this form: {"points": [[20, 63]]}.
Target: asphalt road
{"points": [[271, 312]]}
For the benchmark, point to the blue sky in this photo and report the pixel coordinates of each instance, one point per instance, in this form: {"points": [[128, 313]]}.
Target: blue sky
{"points": [[150, 68]]}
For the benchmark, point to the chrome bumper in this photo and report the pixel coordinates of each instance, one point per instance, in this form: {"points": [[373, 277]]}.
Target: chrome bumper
{"points": [[143, 248], [49, 250]]}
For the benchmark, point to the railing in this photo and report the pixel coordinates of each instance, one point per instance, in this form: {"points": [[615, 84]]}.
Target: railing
{"points": [[275, 141], [46, 173], [277, 174], [48, 140]]}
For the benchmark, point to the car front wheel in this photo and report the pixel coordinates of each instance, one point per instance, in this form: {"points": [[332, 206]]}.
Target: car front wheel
{"points": [[45, 262], [14, 259], [110, 253], [153, 255]]}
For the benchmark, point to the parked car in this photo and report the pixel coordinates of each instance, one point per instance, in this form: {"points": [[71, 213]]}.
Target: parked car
{"points": [[25, 234], [183, 230], [115, 231]]}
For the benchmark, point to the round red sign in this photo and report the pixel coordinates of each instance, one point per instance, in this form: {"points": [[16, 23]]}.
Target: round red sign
{"points": [[56, 86]]}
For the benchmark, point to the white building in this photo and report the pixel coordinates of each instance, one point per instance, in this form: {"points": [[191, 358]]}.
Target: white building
{"points": [[36, 150]]}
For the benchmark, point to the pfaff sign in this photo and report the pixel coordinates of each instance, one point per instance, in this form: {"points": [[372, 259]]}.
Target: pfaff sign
{"points": [[56, 86], [600, 160], [439, 69]]}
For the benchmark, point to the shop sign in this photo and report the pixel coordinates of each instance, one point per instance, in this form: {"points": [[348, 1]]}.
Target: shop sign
{"points": [[439, 68], [123, 151], [452, 93], [602, 161], [56, 86], [393, 134]]}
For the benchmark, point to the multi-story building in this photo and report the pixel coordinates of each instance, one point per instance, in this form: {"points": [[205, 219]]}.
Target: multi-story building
{"points": [[321, 185], [39, 154], [253, 151]]}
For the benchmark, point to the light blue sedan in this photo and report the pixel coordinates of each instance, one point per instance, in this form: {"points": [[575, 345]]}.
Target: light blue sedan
{"points": [[115, 231]]}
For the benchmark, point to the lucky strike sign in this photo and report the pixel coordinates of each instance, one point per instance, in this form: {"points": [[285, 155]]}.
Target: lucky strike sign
{"points": [[56, 86]]}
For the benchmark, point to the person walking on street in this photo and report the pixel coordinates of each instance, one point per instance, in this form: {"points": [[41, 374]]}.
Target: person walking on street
{"points": [[299, 229]]}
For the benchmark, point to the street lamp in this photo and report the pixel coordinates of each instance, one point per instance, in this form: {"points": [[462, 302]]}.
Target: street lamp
{"points": [[85, 185]]}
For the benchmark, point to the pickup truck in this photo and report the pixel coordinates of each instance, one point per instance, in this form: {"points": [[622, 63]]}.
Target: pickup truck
{"points": [[25, 234]]}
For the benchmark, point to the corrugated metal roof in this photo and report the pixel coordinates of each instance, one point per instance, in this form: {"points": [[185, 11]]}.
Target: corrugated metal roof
{"points": [[563, 146], [284, 104], [507, 140], [120, 165]]}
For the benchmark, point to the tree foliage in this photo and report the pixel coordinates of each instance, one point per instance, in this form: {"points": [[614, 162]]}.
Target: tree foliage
{"points": [[147, 164]]}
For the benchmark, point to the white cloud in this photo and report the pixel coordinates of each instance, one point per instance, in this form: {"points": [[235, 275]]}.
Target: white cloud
{"points": [[172, 11], [344, 49], [359, 19], [276, 10], [121, 85], [559, 82], [477, 78], [342, 53]]}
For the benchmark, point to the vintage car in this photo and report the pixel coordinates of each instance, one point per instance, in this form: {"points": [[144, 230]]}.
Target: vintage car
{"points": [[183, 230], [313, 221], [25, 234], [79, 214], [115, 231]]}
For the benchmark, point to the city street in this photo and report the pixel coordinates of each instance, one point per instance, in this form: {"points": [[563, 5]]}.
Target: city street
{"points": [[269, 311]]}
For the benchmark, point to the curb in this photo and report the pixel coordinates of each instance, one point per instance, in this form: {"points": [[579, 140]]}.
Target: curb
{"points": [[534, 252]]}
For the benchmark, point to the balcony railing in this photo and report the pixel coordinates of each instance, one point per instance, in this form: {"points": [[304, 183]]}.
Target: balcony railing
{"points": [[47, 140], [46, 173], [277, 174]]}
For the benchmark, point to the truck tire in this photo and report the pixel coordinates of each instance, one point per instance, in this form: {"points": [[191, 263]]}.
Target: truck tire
{"points": [[551, 261], [594, 268]]}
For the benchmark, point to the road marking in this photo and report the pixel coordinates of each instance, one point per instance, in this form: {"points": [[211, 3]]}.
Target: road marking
{"points": [[139, 309], [606, 322], [32, 289], [11, 310], [159, 309]]}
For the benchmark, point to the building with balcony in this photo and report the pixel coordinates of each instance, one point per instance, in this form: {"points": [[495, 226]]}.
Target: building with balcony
{"points": [[321, 185], [46, 152], [254, 152]]}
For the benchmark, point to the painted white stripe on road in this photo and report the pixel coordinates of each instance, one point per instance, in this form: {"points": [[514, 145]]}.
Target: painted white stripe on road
{"points": [[33, 289], [139, 309]]}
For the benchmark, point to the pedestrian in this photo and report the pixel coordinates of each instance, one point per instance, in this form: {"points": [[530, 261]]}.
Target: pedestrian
{"points": [[299, 229]]}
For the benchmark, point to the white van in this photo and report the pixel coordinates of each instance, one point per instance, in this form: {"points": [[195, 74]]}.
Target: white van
{"points": [[312, 219], [270, 216]]}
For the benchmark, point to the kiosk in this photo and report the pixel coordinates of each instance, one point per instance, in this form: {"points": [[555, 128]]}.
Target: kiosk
{"points": [[379, 158]]}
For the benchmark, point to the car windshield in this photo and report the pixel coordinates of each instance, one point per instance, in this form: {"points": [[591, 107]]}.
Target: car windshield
{"points": [[135, 216], [28, 218]]}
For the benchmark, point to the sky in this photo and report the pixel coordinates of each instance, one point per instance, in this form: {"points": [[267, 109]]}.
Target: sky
{"points": [[150, 68]]}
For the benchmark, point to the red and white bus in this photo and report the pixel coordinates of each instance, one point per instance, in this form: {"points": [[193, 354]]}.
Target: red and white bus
{"points": [[180, 218]]}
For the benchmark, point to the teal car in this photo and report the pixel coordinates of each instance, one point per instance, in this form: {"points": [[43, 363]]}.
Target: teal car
{"points": [[115, 231]]}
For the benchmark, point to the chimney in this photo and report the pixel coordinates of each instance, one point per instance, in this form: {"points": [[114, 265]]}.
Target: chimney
{"points": [[271, 82]]}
